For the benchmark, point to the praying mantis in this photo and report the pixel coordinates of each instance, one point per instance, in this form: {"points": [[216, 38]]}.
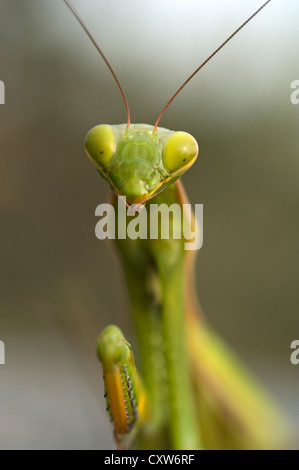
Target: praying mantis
{"points": [[190, 391]]}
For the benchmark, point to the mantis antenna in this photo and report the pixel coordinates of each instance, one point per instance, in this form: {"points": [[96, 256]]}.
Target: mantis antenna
{"points": [[206, 61], [91, 37]]}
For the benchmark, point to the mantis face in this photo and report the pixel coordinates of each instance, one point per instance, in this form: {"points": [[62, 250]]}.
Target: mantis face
{"points": [[140, 161]]}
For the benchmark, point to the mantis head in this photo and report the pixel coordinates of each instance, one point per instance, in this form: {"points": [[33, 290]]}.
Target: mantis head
{"points": [[140, 161]]}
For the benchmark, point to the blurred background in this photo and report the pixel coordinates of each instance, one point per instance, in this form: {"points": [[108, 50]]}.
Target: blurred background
{"points": [[59, 284]]}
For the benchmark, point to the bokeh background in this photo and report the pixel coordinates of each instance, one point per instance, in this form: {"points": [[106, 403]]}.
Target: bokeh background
{"points": [[59, 284]]}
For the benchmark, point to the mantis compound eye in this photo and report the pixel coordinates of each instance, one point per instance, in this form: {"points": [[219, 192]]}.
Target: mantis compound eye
{"points": [[179, 152], [100, 145]]}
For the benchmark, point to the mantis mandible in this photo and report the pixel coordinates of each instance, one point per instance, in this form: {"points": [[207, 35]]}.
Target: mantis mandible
{"points": [[192, 393]]}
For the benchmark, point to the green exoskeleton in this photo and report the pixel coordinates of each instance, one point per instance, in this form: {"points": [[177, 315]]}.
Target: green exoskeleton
{"points": [[191, 393]]}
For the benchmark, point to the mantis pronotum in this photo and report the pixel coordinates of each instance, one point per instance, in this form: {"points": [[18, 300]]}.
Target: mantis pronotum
{"points": [[191, 393]]}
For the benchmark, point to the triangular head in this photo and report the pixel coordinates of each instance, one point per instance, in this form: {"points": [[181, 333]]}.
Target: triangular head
{"points": [[140, 161]]}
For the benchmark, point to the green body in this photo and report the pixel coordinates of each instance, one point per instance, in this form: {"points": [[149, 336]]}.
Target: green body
{"points": [[197, 394], [154, 271]]}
